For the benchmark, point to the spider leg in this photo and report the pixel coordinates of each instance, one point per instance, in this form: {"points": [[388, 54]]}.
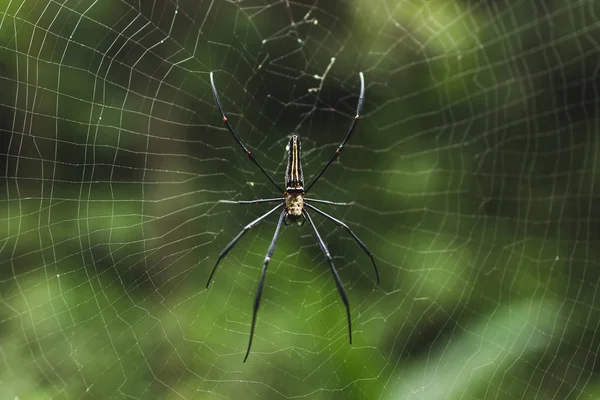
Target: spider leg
{"points": [[336, 277], [223, 253], [356, 239], [331, 203], [235, 135], [361, 100], [258, 201], [261, 282]]}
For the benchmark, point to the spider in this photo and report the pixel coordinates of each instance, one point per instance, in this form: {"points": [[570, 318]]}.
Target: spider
{"points": [[293, 207]]}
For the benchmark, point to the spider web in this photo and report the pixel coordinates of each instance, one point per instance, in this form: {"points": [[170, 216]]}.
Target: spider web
{"points": [[473, 171]]}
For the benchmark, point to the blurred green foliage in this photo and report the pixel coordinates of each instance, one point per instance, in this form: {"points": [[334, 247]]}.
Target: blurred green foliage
{"points": [[473, 170]]}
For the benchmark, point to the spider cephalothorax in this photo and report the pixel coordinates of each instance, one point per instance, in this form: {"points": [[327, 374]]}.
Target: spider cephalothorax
{"points": [[293, 207], [294, 178]]}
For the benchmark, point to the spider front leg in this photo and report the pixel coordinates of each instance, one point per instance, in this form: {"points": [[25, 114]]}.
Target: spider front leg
{"points": [[361, 100], [336, 277], [235, 135]]}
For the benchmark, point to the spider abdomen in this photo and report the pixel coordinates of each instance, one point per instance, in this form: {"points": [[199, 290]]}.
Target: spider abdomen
{"points": [[294, 204]]}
